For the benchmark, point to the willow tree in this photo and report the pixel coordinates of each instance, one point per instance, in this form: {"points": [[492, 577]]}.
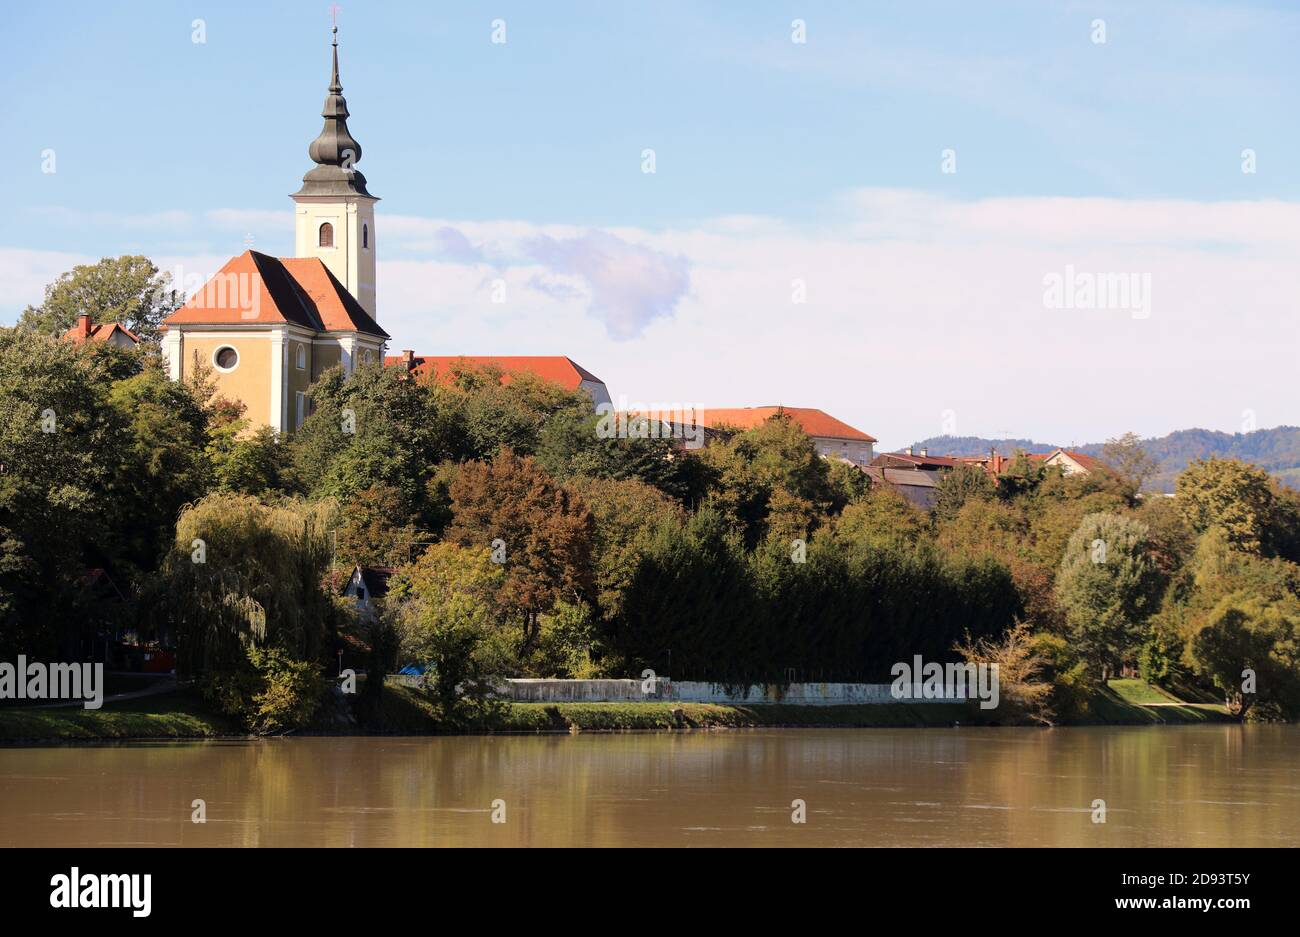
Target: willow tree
{"points": [[246, 574]]}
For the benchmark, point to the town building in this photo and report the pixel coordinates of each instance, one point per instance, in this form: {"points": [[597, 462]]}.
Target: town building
{"points": [[109, 333], [268, 327], [556, 369], [834, 438]]}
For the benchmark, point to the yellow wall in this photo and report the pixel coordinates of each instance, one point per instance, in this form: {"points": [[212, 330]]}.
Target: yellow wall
{"points": [[324, 357], [251, 379]]}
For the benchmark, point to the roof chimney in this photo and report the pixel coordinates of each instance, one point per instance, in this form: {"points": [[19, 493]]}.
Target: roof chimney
{"points": [[924, 451], [408, 358], [83, 326], [909, 450]]}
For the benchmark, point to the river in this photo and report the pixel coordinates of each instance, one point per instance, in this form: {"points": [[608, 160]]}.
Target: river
{"points": [[1221, 785]]}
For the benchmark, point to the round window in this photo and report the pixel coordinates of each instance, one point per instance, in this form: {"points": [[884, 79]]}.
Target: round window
{"points": [[226, 358]]}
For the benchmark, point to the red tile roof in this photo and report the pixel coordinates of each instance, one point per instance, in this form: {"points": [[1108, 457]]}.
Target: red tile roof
{"points": [[814, 422], [86, 331], [1089, 462], [257, 289], [557, 369], [938, 461]]}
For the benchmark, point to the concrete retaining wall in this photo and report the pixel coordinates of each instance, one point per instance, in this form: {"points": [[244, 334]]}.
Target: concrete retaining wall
{"points": [[686, 691]]}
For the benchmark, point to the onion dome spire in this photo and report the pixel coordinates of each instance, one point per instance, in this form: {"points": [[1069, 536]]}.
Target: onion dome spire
{"points": [[335, 151]]}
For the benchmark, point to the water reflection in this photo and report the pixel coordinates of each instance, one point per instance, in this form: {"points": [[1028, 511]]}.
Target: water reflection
{"points": [[1195, 786]]}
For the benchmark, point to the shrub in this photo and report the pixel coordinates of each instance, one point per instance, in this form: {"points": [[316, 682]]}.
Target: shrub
{"points": [[271, 694]]}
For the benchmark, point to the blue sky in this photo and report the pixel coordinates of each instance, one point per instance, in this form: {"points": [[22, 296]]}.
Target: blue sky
{"points": [[766, 150]]}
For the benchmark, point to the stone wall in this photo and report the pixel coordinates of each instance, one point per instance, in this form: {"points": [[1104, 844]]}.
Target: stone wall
{"points": [[622, 691]]}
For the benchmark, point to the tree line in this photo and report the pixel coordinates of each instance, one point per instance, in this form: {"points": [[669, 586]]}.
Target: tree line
{"points": [[524, 544]]}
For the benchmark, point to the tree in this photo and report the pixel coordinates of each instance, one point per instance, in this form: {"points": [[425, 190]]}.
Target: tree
{"points": [[1229, 494], [243, 574], [1022, 476], [164, 464], [626, 513], [1107, 586], [1248, 647], [1020, 665], [541, 533], [127, 289], [445, 609], [1130, 459], [752, 466], [484, 409], [963, 483], [62, 452], [373, 426], [569, 445], [882, 519], [374, 530]]}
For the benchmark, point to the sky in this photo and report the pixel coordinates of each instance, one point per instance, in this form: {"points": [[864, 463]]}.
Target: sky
{"points": [[897, 219]]}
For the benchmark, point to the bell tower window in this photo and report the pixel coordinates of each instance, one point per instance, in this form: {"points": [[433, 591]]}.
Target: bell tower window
{"points": [[365, 237], [327, 235]]}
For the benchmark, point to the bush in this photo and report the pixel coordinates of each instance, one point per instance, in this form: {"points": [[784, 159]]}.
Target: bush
{"points": [[271, 694]]}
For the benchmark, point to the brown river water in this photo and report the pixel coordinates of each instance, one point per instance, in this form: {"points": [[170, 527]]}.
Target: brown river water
{"points": [[1177, 786]]}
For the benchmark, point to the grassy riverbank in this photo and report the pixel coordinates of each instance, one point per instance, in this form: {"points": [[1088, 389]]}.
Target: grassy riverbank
{"points": [[409, 711], [168, 716]]}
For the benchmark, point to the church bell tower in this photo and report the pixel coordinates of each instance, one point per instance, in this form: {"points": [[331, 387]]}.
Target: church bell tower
{"points": [[334, 217]]}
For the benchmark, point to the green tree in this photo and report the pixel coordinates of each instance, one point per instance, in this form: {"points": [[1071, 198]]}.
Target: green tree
{"points": [[1247, 646], [753, 466], [1108, 586], [62, 452], [1130, 459], [445, 609], [244, 574], [626, 513], [374, 426], [963, 483], [1229, 494], [127, 289], [164, 463]]}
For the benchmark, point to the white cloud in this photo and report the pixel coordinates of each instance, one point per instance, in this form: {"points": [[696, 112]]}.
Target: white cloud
{"points": [[916, 305]]}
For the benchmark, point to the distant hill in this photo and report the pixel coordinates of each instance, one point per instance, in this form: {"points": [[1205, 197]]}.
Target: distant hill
{"points": [[1275, 450]]}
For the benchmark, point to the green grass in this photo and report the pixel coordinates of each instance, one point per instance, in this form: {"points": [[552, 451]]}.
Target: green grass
{"points": [[170, 715], [1128, 702], [1139, 692]]}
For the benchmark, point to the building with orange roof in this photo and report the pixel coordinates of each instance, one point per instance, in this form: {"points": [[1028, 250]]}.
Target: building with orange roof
{"points": [[834, 438], [110, 333], [268, 327], [556, 369], [1074, 463]]}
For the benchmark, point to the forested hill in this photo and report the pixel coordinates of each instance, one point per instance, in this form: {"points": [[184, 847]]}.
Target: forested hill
{"points": [[1277, 450]]}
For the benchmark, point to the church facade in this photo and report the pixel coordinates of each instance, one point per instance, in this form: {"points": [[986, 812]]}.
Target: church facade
{"points": [[268, 327]]}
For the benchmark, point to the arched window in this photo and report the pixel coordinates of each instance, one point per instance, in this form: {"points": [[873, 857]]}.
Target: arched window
{"points": [[327, 235], [301, 361], [365, 236]]}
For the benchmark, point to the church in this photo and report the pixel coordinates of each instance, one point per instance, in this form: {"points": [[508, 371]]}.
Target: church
{"points": [[268, 327]]}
